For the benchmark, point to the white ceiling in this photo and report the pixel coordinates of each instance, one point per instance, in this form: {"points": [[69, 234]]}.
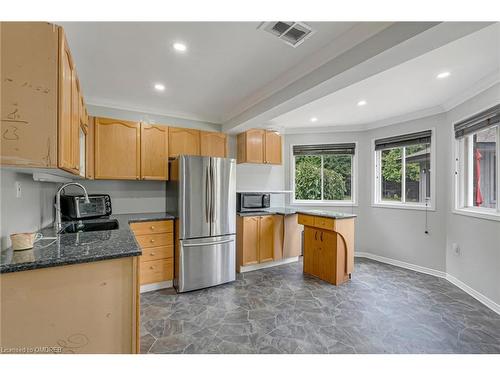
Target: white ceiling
{"points": [[406, 88], [226, 64]]}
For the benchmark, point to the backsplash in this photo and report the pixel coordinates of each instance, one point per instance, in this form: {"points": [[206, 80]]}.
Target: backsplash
{"points": [[32, 211]]}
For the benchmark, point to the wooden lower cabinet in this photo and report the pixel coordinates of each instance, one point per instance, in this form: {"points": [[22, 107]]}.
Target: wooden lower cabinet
{"points": [[88, 308], [266, 238], [156, 239], [328, 253]]}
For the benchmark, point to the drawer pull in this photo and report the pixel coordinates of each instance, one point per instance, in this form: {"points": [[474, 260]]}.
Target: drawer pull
{"points": [[152, 227], [152, 240], [151, 267], [152, 254]]}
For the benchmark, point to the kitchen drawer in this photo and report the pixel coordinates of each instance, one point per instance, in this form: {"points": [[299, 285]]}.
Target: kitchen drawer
{"points": [[324, 222], [154, 240], [155, 271], [306, 220], [159, 252], [151, 227]]}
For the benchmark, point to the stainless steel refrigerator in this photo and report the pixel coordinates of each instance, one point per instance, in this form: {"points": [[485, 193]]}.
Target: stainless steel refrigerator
{"points": [[201, 194]]}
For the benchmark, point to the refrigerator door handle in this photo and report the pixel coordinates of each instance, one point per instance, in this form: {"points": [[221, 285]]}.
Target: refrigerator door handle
{"points": [[213, 183], [207, 195], [207, 243]]}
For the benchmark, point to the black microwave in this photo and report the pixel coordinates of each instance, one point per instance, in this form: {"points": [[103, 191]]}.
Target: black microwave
{"points": [[246, 202]]}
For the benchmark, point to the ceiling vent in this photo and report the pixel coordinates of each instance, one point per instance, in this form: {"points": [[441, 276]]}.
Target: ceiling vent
{"points": [[292, 33]]}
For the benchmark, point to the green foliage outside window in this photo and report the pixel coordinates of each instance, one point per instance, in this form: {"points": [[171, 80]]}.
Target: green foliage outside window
{"points": [[336, 177]]}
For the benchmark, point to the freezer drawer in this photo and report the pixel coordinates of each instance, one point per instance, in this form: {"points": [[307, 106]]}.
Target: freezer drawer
{"points": [[205, 262]]}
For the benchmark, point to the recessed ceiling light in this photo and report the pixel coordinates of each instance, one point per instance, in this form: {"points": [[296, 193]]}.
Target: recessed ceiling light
{"points": [[159, 87], [362, 103], [314, 119], [443, 75], [180, 47]]}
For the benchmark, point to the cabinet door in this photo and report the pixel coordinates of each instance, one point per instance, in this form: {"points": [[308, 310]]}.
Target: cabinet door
{"points": [[309, 249], [89, 164], [213, 144], [117, 149], [250, 240], [272, 154], [154, 152], [254, 146], [182, 141], [65, 150], [75, 123], [266, 238]]}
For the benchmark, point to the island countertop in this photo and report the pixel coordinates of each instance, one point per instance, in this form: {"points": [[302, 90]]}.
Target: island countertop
{"points": [[73, 248], [290, 210]]}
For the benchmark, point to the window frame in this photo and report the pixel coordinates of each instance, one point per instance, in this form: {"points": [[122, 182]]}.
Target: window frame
{"points": [[377, 181], [332, 203], [459, 180]]}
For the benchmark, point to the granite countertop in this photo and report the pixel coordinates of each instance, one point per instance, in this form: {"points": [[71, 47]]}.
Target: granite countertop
{"points": [[297, 210], [72, 248]]}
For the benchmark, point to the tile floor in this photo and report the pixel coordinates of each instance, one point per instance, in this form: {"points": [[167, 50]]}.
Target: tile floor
{"points": [[383, 309]]}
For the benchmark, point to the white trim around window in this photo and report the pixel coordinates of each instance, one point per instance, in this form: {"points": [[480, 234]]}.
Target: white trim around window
{"points": [[333, 203], [460, 179], [376, 170]]}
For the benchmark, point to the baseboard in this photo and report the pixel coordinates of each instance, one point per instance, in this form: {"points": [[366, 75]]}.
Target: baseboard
{"points": [[452, 279], [474, 293], [260, 266], [398, 263], [156, 286]]}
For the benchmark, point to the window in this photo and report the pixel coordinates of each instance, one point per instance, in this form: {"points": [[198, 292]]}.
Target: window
{"points": [[477, 170], [403, 170], [323, 173]]}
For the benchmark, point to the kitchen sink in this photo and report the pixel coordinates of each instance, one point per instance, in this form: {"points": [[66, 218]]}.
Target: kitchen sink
{"points": [[90, 226]]}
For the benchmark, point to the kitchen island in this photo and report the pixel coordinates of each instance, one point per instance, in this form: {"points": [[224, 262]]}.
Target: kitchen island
{"points": [[328, 244], [74, 292]]}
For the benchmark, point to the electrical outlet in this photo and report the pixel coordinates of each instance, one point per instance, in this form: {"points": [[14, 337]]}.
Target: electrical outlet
{"points": [[456, 249], [18, 190]]}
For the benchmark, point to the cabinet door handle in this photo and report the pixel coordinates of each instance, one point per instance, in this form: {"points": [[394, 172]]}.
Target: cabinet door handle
{"points": [[152, 227], [151, 268], [152, 254], [152, 240], [321, 236]]}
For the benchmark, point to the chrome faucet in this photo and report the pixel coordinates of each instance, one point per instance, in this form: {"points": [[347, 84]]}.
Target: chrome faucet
{"points": [[57, 220]]}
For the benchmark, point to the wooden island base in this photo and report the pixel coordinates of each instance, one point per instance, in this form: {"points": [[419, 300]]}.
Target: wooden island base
{"points": [[328, 247]]}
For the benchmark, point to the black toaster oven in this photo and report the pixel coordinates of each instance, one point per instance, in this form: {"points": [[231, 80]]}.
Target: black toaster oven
{"points": [[73, 207]]}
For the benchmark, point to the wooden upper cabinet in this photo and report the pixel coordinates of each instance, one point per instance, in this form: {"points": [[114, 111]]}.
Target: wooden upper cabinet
{"points": [[251, 146], [29, 94], [117, 149], [154, 152], [183, 141], [259, 146], [266, 238], [272, 148], [75, 123], [213, 144]]}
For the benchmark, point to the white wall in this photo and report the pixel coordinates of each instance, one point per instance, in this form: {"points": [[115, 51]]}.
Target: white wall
{"points": [[398, 233], [478, 265], [259, 176], [34, 210]]}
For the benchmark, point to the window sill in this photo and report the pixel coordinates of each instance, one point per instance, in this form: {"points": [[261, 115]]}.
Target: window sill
{"points": [[330, 204], [479, 214], [401, 206]]}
